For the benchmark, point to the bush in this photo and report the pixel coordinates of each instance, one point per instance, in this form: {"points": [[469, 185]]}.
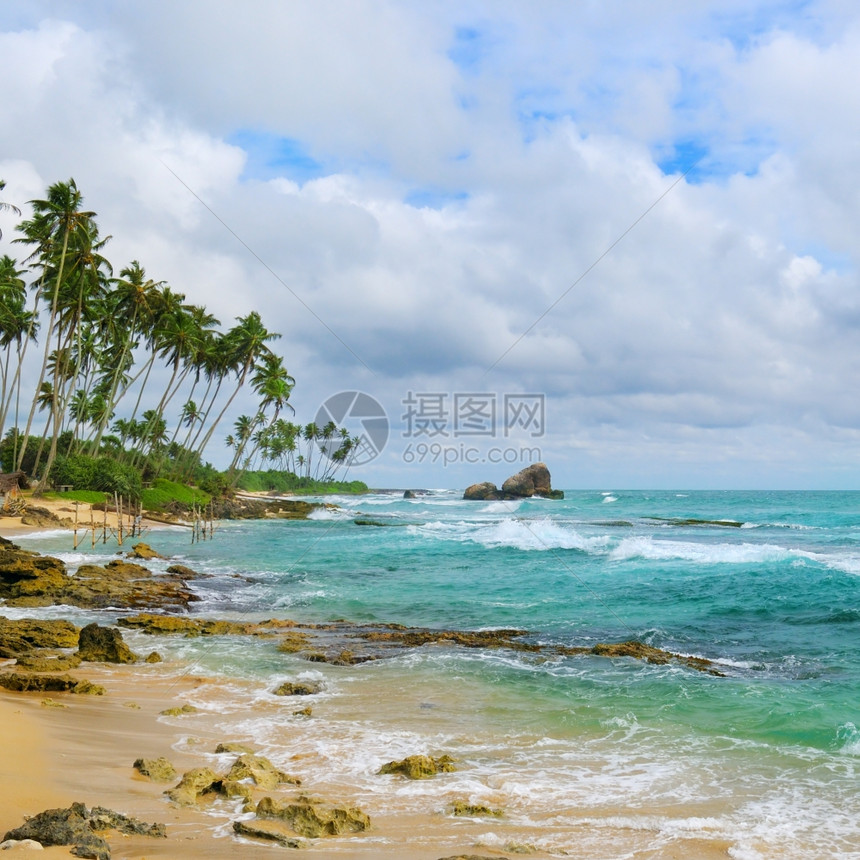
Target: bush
{"points": [[102, 473]]}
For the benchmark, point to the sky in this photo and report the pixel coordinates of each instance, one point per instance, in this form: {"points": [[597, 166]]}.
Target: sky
{"points": [[618, 237]]}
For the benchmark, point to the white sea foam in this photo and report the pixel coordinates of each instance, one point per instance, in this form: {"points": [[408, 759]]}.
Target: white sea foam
{"points": [[608, 498]]}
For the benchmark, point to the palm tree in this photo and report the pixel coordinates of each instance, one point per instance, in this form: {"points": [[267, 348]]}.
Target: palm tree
{"points": [[16, 326], [246, 345], [57, 221], [7, 207]]}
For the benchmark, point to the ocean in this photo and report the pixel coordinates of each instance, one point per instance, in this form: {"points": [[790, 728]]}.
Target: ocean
{"points": [[587, 756]]}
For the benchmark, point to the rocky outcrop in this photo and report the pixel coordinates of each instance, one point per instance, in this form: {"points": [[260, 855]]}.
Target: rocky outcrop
{"points": [[104, 645], [485, 491], [22, 635], [532, 481], [80, 827], [22, 682], [42, 518], [314, 817], [419, 766], [30, 579], [143, 551]]}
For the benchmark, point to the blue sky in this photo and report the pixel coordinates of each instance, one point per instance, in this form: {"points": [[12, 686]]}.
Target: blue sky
{"points": [[428, 179]]}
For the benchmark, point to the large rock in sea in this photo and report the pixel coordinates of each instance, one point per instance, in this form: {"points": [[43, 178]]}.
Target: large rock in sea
{"points": [[485, 491], [534, 480]]}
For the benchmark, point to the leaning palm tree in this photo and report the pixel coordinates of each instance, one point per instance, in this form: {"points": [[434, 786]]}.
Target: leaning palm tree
{"points": [[57, 222], [246, 344]]}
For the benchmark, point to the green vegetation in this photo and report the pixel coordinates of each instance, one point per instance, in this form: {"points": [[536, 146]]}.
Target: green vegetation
{"points": [[286, 482], [164, 493], [100, 337]]}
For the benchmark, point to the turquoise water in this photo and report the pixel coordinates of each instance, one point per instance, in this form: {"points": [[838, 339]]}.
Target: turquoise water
{"points": [[762, 761]]}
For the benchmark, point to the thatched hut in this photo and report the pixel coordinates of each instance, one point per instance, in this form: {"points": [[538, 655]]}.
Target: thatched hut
{"points": [[11, 484]]}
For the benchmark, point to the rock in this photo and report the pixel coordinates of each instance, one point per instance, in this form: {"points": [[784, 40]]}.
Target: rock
{"points": [[21, 844], [419, 766], [469, 857], [42, 518], [273, 831], [186, 572], [78, 826], [298, 688], [153, 657], [534, 480], [194, 785], [231, 747], [471, 810], [157, 769], [409, 494], [104, 645], [28, 579], [261, 771], [313, 818], [143, 551], [20, 636], [21, 682], [161, 624], [179, 711], [485, 491], [42, 663]]}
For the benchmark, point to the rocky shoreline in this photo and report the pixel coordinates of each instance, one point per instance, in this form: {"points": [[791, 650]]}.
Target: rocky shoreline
{"points": [[45, 656]]}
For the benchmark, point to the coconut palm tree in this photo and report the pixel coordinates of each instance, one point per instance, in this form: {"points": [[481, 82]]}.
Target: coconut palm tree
{"points": [[58, 222]]}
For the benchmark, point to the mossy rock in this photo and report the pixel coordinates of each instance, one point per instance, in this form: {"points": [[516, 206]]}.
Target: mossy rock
{"points": [[298, 688], [313, 817], [261, 771], [194, 785], [143, 551], [157, 769], [179, 711], [419, 766], [461, 808]]}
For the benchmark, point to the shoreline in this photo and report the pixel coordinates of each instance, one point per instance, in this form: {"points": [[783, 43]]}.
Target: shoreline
{"points": [[83, 750]]}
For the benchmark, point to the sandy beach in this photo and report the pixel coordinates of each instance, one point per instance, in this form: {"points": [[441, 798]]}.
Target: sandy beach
{"points": [[61, 748]]}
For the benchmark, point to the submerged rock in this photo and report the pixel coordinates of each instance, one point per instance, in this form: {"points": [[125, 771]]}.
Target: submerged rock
{"points": [[463, 809], [313, 817], [104, 645], [419, 766], [298, 688]]}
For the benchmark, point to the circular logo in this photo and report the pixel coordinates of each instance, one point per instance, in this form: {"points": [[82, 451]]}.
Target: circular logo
{"points": [[353, 427]]}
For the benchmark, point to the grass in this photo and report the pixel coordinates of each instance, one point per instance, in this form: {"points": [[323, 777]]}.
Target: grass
{"points": [[162, 493]]}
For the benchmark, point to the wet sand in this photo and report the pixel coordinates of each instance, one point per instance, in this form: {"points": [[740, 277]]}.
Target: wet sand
{"points": [[61, 748]]}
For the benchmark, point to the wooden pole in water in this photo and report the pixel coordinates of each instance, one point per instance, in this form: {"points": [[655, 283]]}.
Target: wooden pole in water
{"points": [[76, 526]]}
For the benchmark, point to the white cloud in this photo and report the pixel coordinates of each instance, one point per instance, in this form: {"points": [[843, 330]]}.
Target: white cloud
{"points": [[726, 316]]}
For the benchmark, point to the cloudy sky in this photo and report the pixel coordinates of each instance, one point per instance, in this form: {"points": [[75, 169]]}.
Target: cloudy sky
{"points": [[648, 213]]}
